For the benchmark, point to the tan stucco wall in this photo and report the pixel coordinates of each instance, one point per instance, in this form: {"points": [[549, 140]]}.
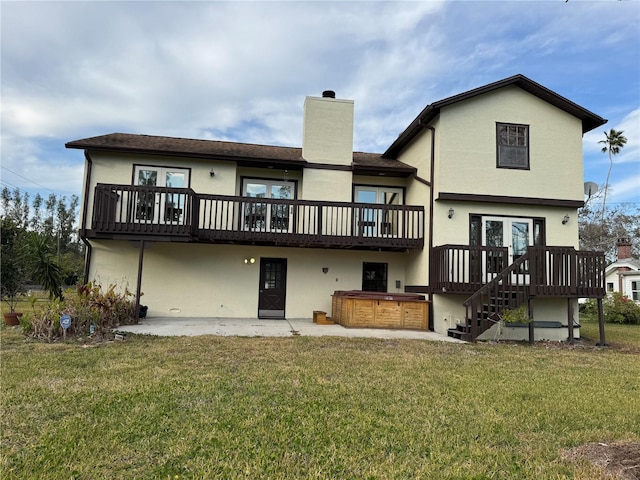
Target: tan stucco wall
{"points": [[467, 148], [456, 230], [328, 185], [327, 133], [213, 280], [448, 310], [118, 169]]}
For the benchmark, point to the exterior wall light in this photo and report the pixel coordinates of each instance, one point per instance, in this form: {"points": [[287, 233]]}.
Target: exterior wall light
{"points": [[212, 173], [325, 270], [565, 220], [249, 261], [451, 212]]}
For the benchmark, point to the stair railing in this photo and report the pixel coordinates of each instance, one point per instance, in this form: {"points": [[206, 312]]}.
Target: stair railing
{"points": [[509, 289]]}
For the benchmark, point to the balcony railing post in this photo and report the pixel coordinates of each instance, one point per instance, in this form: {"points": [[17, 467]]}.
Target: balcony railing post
{"points": [[169, 211]]}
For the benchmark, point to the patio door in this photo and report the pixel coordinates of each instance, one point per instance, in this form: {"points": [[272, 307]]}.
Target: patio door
{"points": [[272, 291], [268, 216], [514, 233], [378, 222], [156, 207]]}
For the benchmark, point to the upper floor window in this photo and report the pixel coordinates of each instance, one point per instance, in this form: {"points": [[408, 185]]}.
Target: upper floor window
{"points": [[512, 146]]}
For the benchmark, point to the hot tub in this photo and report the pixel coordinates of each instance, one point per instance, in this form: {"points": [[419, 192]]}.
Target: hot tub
{"points": [[355, 308]]}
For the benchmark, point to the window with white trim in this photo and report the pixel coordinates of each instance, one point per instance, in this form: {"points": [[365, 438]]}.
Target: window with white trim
{"points": [[635, 290], [267, 216], [382, 221]]}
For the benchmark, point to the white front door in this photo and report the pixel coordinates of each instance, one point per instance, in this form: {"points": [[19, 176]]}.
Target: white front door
{"points": [[514, 233], [153, 207]]}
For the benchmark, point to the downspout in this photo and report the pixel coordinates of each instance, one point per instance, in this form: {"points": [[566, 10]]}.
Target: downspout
{"points": [[431, 195], [83, 229]]}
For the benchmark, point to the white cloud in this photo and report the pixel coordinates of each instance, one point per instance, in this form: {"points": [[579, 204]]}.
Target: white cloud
{"points": [[240, 70]]}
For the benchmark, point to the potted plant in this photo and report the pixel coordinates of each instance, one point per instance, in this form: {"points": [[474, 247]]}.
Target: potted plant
{"points": [[518, 316]]}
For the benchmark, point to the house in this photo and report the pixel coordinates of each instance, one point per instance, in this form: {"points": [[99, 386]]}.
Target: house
{"points": [[474, 205], [623, 275]]}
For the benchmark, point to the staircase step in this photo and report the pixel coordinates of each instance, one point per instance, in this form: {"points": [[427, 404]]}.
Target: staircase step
{"points": [[455, 333]]}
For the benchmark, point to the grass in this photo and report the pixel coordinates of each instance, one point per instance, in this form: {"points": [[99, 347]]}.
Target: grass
{"points": [[616, 335], [302, 407]]}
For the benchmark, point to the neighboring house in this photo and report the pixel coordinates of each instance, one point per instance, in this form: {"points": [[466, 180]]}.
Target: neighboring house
{"points": [[623, 275], [475, 205]]}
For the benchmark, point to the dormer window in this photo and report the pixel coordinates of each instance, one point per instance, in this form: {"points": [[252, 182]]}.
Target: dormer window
{"points": [[512, 146]]}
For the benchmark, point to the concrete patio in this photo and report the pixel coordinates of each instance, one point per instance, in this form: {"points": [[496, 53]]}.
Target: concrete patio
{"points": [[254, 327]]}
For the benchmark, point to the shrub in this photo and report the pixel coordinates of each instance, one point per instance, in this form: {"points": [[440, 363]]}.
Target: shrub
{"points": [[620, 309], [616, 307], [91, 305]]}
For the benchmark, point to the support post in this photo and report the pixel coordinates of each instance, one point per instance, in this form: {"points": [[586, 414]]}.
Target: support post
{"points": [[602, 342], [530, 324], [139, 281], [570, 321]]}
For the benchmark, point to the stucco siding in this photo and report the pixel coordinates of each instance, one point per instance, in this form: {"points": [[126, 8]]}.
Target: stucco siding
{"points": [[455, 230], [327, 135], [213, 280], [467, 148], [448, 310], [328, 185]]}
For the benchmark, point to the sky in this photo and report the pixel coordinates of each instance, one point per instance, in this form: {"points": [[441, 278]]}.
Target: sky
{"points": [[239, 71]]}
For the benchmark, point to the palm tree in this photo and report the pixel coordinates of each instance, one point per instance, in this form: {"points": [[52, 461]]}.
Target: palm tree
{"points": [[614, 141]]}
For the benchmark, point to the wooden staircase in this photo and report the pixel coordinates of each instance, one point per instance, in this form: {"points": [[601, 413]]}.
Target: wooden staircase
{"points": [[508, 290], [487, 315]]}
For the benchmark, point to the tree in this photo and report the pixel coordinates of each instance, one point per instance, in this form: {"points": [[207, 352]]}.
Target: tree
{"points": [[43, 268], [12, 263], [598, 234], [613, 142], [55, 219]]}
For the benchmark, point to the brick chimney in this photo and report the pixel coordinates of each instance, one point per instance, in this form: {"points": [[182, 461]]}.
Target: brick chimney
{"points": [[624, 247]]}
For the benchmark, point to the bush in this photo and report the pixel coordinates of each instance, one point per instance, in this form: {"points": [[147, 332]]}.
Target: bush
{"points": [[621, 309], [616, 307], [90, 306]]}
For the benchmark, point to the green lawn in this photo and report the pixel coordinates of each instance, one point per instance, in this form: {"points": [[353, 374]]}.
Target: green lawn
{"points": [[301, 407]]}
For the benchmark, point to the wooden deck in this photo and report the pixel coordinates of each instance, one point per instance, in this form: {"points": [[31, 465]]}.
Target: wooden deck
{"points": [[178, 214], [493, 286]]}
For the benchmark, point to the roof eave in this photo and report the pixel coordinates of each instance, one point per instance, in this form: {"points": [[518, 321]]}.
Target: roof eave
{"points": [[589, 119]]}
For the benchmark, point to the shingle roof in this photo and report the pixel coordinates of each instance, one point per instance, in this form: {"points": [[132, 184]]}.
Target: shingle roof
{"points": [[589, 119], [243, 153]]}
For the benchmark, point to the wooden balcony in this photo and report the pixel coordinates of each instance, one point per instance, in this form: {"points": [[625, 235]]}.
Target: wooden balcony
{"points": [[546, 271], [178, 214]]}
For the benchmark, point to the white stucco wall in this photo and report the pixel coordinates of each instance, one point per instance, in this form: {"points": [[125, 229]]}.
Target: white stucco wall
{"points": [[455, 230], [213, 281], [327, 133], [327, 185], [118, 169], [448, 311], [467, 148]]}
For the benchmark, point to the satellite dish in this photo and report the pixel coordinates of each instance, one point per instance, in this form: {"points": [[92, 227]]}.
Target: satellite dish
{"points": [[590, 188]]}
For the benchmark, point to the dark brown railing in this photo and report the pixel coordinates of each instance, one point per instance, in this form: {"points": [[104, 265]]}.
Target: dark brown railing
{"points": [[541, 272], [464, 268], [508, 290], [131, 209], [221, 218]]}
